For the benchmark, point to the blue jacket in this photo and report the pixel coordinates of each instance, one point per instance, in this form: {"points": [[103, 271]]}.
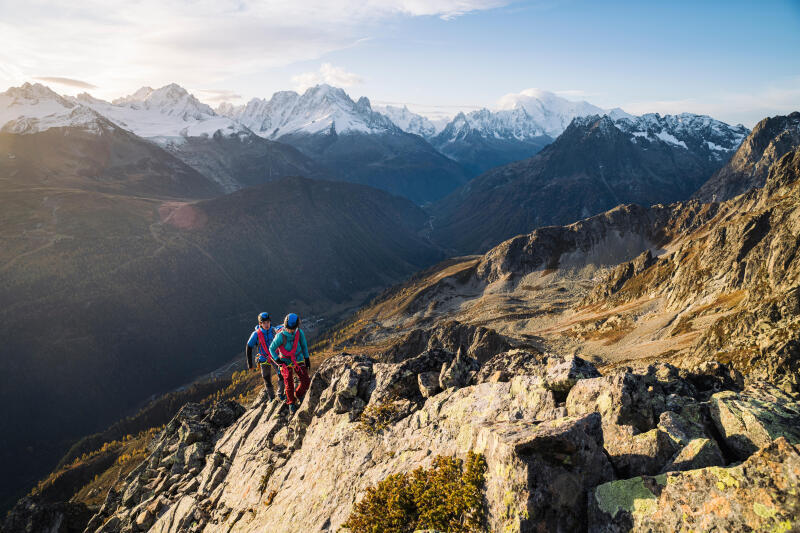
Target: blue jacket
{"points": [[269, 336], [287, 340]]}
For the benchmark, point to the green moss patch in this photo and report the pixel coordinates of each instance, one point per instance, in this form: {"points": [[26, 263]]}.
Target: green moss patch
{"points": [[629, 495]]}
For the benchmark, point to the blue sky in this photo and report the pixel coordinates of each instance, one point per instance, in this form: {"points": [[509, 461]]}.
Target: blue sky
{"points": [[737, 61]]}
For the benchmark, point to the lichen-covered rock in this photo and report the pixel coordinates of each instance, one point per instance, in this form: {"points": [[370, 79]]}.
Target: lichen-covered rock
{"points": [[761, 494], [634, 453], [753, 418], [621, 398], [505, 365], [545, 470], [393, 381], [480, 343], [562, 373], [697, 453]]}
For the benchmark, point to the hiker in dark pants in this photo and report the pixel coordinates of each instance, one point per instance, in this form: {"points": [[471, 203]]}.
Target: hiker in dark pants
{"points": [[290, 351], [261, 338]]}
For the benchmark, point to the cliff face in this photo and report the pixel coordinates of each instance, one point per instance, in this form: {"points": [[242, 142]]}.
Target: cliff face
{"points": [[733, 278]]}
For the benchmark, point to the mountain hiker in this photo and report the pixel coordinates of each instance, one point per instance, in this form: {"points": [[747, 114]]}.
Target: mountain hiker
{"points": [[290, 351], [261, 339]]}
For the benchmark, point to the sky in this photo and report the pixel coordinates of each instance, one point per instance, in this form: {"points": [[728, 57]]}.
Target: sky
{"points": [[736, 61]]}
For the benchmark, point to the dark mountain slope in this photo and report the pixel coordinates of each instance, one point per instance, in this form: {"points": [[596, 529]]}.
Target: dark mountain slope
{"points": [[109, 299], [394, 161], [769, 141], [593, 166], [244, 160]]}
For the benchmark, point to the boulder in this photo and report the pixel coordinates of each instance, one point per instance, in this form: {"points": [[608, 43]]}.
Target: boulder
{"points": [[634, 453], [503, 366], [562, 373], [698, 453], [621, 398], [760, 494], [395, 381], [459, 372], [539, 474], [428, 383], [753, 418]]}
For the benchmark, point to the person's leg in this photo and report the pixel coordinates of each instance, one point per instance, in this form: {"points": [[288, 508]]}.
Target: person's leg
{"points": [[305, 381], [281, 386], [266, 374], [286, 372]]}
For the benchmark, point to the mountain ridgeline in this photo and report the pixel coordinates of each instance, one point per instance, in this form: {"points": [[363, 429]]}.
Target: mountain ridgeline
{"points": [[596, 164]]}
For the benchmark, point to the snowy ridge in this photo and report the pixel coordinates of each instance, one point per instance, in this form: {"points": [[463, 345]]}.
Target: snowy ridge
{"points": [[32, 108], [320, 109], [687, 130], [531, 114], [166, 115], [408, 121]]}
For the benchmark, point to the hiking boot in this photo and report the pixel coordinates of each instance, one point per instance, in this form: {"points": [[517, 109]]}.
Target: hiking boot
{"points": [[269, 395], [292, 408], [282, 396]]}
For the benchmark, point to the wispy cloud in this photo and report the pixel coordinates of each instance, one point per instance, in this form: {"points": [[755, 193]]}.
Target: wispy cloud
{"points": [[69, 82], [219, 95], [122, 44], [327, 73]]}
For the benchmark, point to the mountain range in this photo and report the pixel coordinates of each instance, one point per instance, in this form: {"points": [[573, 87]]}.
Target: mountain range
{"points": [[596, 164], [136, 228]]}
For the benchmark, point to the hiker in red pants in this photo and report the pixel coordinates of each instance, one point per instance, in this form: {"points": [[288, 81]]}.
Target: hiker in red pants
{"points": [[290, 351]]}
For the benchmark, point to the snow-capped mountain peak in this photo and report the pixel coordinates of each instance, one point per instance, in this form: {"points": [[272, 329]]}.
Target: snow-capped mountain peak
{"points": [[408, 121], [320, 109], [686, 130], [33, 108], [165, 115]]}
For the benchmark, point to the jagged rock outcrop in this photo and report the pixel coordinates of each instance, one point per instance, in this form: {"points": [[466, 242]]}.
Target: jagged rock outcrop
{"points": [[748, 168], [546, 432], [606, 239], [761, 494], [480, 342]]}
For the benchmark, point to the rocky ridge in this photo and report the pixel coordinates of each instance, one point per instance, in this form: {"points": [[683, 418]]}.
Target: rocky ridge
{"points": [[568, 449], [731, 277], [771, 139]]}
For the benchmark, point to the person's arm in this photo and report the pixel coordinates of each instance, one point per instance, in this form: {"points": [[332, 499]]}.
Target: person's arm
{"points": [[304, 348], [251, 343], [273, 347]]}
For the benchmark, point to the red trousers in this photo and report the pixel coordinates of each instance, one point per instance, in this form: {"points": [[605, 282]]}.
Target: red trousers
{"points": [[288, 381]]}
